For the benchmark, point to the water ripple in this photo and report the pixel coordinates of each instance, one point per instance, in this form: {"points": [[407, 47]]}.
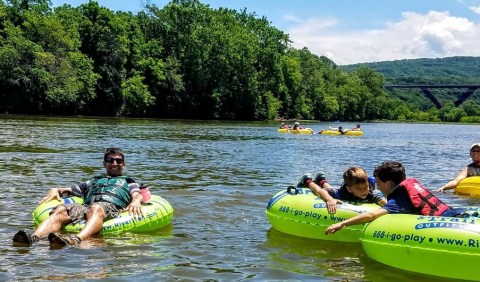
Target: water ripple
{"points": [[218, 176]]}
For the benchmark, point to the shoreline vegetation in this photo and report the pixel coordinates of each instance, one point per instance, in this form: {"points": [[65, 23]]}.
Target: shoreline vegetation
{"points": [[185, 61], [306, 123]]}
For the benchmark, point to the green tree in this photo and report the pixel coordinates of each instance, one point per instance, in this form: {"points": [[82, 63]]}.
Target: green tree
{"points": [[471, 108], [136, 96], [103, 39]]}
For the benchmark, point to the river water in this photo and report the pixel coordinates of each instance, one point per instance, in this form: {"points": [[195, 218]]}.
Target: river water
{"points": [[218, 176]]}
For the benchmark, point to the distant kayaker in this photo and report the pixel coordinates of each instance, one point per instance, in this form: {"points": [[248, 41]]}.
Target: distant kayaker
{"points": [[356, 128], [339, 129], [284, 126], [296, 126]]}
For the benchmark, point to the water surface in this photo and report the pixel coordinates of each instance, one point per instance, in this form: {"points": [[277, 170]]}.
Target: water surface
{"points": [[218, 176]]}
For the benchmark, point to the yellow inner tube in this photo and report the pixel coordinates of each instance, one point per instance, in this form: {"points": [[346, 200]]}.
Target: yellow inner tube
{"points": [[469, 186], [296, 131], [347, 133]]}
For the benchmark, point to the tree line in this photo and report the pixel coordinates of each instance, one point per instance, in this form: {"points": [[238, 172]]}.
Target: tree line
{"points": [[185, 60]]}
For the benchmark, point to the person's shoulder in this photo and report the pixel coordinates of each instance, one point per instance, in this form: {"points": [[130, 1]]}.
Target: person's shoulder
{"points": [[130, 180], [343, 194], [391, 204], [343, 187]]}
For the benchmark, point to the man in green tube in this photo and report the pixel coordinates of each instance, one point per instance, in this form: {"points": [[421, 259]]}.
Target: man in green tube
{"points": [[104, 197]]}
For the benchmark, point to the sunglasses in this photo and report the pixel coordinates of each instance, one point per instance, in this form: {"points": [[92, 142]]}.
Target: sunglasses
{"points": [[111, 160]]}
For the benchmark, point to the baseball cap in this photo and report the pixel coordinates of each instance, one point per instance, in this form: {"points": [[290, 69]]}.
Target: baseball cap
{"points": [[475, 145]]}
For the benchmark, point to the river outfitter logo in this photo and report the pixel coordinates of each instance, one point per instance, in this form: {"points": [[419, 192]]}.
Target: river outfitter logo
{"points": [[448, 223]]}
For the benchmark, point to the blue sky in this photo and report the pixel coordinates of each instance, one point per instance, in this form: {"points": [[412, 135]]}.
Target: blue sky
{"points": [[357, 31]]}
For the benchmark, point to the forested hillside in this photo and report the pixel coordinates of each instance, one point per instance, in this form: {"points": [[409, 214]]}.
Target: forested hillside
{"points": [[452, 70], [440, 71], [189, 61]]}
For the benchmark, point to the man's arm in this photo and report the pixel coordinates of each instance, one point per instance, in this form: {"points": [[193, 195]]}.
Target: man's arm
{"points": [[361, 218], [135, 206], [54, 193], [453, 184]]}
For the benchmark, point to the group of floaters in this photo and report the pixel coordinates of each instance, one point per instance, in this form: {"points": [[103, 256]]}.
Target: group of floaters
{"points": [[298, 129], [405, 226]]}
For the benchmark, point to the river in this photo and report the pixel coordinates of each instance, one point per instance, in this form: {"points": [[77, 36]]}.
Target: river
{"points": [[219, 177]]}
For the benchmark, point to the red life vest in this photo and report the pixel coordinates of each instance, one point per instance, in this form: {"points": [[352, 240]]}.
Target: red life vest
{"points": [[422, 199]]}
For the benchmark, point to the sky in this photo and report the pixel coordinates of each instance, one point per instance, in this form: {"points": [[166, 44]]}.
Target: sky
{"points": [[358, 31]]}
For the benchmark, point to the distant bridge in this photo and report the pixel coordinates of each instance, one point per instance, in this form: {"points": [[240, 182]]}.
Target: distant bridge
{"points": [[470, 89]]}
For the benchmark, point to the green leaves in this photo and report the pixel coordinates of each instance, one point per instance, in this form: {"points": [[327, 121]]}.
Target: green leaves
{"points": [[185, 60]]}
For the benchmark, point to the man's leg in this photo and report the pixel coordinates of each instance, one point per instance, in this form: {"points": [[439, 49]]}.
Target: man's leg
{"points": [[95, 217], [54, 222]]}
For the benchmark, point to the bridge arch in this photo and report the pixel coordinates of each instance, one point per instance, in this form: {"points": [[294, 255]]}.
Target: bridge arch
{"points": [[470, 89]]}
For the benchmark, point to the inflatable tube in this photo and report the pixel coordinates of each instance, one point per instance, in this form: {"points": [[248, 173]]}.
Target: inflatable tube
{"points": [[469, 186], [441, 246], [336, 132], [157, 213], [306, 215], [296, 131]]}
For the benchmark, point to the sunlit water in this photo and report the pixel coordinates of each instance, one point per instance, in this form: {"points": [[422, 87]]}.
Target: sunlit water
{"points": [[218, 176]]}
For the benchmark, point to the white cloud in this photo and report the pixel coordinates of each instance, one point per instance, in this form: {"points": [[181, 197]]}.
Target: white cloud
{"points": [[475, 9], [311, 27], [292, 18], [431, 35]]}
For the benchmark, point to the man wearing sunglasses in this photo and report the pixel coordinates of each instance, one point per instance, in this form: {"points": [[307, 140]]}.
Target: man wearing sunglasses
{"points": [[472, 169], [104, 198]]}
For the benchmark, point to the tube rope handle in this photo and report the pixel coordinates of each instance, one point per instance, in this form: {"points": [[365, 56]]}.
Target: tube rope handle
{"points": [[289, 188]]}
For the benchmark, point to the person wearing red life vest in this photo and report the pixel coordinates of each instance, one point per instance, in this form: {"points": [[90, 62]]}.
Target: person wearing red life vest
{"points": [[403, 196]]}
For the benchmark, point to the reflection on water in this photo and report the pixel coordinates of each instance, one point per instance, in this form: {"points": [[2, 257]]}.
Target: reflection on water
{"points": [[218, 176], [324, 258]]}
